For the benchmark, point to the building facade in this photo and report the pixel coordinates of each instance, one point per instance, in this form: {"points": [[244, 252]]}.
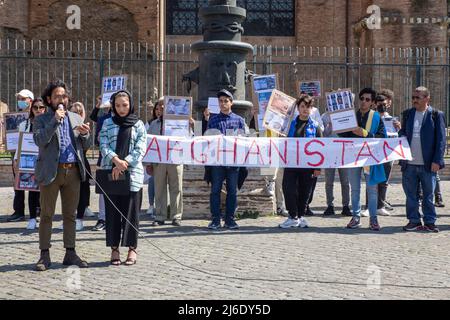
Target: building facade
{"points": [[316, 23]]}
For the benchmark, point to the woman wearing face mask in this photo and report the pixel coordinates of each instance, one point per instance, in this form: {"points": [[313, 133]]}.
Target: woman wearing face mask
{"points": [[37, 108], [123, 144]]}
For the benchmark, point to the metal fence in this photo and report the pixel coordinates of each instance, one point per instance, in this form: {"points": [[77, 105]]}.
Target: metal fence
{"points": [[153, 71]]}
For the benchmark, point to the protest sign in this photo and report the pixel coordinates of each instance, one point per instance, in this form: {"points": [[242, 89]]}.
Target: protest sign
{"points": [[312, 88], [177, 112], [111, 85], [279, 113], [27, 155], [238, 151]]}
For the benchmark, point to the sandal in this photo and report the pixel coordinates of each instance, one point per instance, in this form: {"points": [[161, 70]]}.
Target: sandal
{"points": [[115, 262], [130, 261]]}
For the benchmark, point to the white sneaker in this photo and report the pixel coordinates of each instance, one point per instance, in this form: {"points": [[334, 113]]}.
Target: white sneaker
{"points": [[289, 223], [150, 210], [31, 224], [79, 225], [270, 188], [383, 212], [88, 213], [303, 223], [365, 213]]}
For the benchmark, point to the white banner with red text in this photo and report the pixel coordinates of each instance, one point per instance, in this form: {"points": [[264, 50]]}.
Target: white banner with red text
{"points": [[275, 152]]}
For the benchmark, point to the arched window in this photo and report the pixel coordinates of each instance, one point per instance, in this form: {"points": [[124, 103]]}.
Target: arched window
{"points": [[264, 17]]}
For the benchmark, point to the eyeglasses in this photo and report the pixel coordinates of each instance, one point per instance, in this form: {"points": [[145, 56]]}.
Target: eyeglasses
{"points": [[59, 97], [365, 99], [38, 107], [416, 97]]}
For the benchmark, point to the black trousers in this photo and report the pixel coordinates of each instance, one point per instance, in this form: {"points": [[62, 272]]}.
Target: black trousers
{"points": [[312, 191], [33, 203], [382, 187], [116, 226], [85, 191], [297, 188]]}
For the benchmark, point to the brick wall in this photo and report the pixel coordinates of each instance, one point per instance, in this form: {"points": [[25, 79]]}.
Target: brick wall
{"points": [[318, 22], [114, 20]]}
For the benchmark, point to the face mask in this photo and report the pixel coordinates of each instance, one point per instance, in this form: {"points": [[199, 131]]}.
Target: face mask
{"points": [[22, 105], [381, 108]]}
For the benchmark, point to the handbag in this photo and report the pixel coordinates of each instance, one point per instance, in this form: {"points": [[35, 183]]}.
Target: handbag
{"points": [[120, 187]]}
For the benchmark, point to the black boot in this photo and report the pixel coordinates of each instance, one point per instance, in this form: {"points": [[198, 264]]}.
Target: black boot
{"points": [[44, 261]]}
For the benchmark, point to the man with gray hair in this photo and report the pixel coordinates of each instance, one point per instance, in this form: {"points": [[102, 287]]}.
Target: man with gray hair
{"points": [[425, 129]]}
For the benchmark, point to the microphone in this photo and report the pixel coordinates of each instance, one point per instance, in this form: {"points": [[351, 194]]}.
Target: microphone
{"points": [[61, 107]]}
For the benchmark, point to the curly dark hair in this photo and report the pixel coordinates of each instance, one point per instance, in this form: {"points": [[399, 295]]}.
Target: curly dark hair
{"points": [[52, 86]]}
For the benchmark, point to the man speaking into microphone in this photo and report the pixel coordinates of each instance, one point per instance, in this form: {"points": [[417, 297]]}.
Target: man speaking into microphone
{"points": [[61, 137]]}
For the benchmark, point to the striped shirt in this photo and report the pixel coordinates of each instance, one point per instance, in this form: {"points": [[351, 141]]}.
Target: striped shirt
{"points": [[138, 147], [224, 122]]}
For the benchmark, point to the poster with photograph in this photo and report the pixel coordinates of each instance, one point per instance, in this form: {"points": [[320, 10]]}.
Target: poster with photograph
{"points": [[264, 82], [13, 119], [111, 85], [279, 113], [262, 98], [312, 88], [176, 128], [389, 126], [26, 181], [339, 100], [178, 106], [27, 161]]}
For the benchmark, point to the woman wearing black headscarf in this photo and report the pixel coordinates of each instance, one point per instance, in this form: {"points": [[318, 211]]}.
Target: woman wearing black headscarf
{"points": [[123, 144]]}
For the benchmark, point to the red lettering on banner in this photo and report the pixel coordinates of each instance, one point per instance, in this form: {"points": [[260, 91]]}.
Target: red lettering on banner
{"points": [[284, 159], [219, 150], [343, 149], [258, 152], [307, 152], [386, 145], [149, 148], [365, 144], [203, 155], [169, 148]]}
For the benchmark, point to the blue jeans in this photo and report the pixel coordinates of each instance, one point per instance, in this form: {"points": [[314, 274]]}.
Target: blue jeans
{"points": [[354, 177], [218, 175], [411, 176], [151, 190]]}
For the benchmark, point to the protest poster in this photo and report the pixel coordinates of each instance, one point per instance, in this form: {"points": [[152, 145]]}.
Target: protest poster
{"points": [[339, 100], [389, 126], [12, 141], [238, 151], [213, 105], [262, 86], [264, 82], [177, 113], [176, 127], [26, 181], [178, 106], [111, 85], [312, 88], [279, 113], [26, 155], [343, 121]]}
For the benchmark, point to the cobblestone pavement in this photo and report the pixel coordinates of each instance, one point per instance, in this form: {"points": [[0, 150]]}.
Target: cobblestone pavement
{"points": [[260, 261]]}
